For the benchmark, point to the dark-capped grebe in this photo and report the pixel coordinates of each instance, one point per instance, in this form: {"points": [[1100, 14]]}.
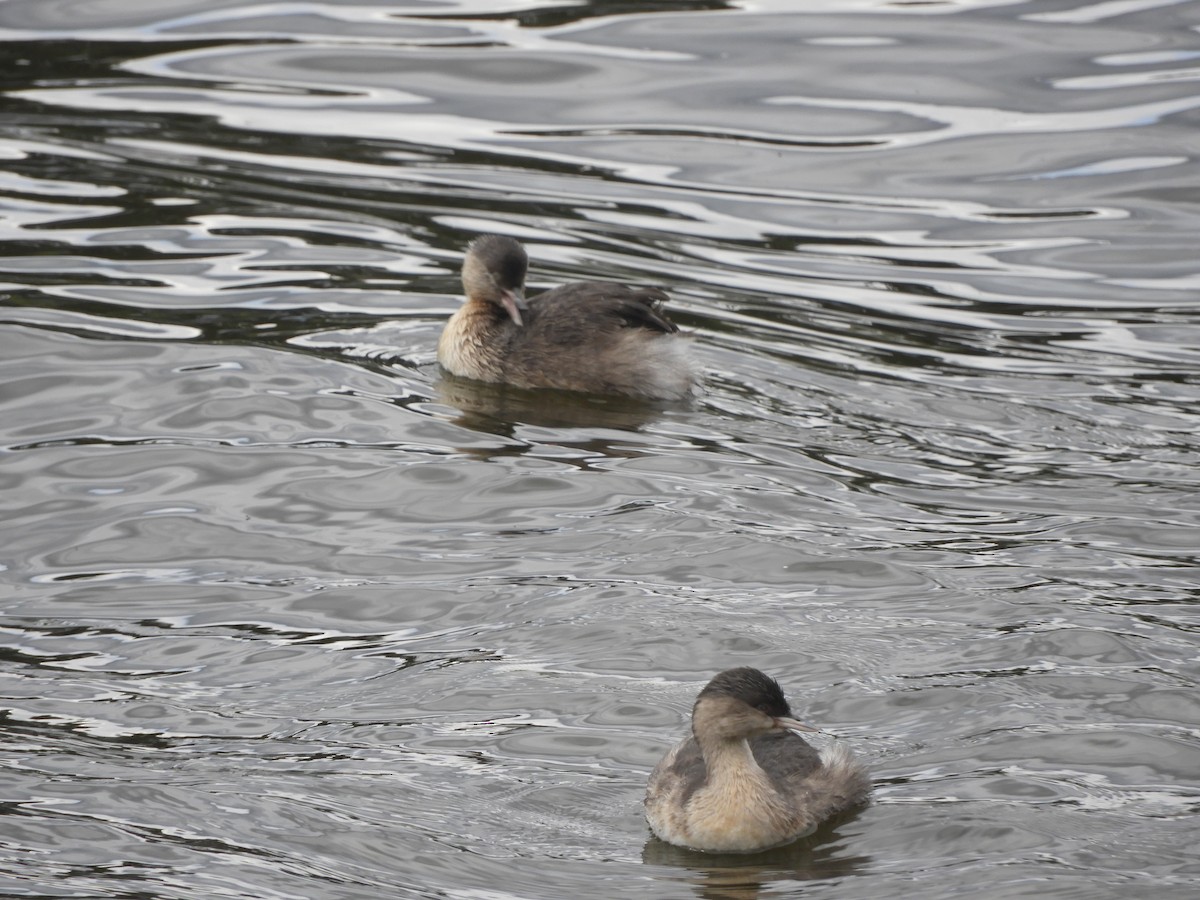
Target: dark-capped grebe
{"points": [[589, 337], [743, 781]]}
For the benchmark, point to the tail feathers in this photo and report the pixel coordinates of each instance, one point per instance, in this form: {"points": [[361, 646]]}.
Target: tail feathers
{"points": [[841, 783]]}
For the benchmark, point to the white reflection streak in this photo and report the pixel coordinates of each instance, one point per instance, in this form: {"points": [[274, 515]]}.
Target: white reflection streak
{"points": [[102, 325], [971, 121], [1100, 11]]}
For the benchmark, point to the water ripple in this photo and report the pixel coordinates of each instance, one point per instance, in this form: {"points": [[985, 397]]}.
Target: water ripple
{"points": [[287, 613]]}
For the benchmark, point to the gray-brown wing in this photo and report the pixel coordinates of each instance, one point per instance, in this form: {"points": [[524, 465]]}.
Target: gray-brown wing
{"points": [[786, 758], [575, 313], [687, 771]]}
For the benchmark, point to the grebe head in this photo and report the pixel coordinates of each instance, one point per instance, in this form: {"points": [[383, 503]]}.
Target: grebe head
{"points": [[494, 271], [739, 704]]}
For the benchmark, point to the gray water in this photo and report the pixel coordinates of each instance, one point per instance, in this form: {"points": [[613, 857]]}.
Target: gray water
{"points": [[286, 615]]}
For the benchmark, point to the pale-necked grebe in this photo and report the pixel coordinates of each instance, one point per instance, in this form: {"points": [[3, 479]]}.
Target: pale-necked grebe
{"points": [[743, 781], [589, 337]]}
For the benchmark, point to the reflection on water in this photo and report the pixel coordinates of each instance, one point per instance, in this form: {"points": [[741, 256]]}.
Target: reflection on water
{"points": [[497, 409], [286, 613], [824, 856]]}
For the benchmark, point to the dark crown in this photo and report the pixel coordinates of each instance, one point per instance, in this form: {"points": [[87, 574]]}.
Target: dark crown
{"points": [[750, 686]]}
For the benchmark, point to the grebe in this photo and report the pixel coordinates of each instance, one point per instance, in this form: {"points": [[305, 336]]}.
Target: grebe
{"points": [[743, 781], [589, 337]]}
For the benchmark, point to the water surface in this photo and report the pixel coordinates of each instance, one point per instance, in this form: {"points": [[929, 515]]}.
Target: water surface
{"points": [[287, 615]]}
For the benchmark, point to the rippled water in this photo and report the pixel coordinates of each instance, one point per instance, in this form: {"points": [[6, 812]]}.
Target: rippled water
{"points": [[286, 615]]}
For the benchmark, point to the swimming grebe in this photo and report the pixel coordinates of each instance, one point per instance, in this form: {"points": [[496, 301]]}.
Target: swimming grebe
{"points": [[743, 781], [589, 337]]}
